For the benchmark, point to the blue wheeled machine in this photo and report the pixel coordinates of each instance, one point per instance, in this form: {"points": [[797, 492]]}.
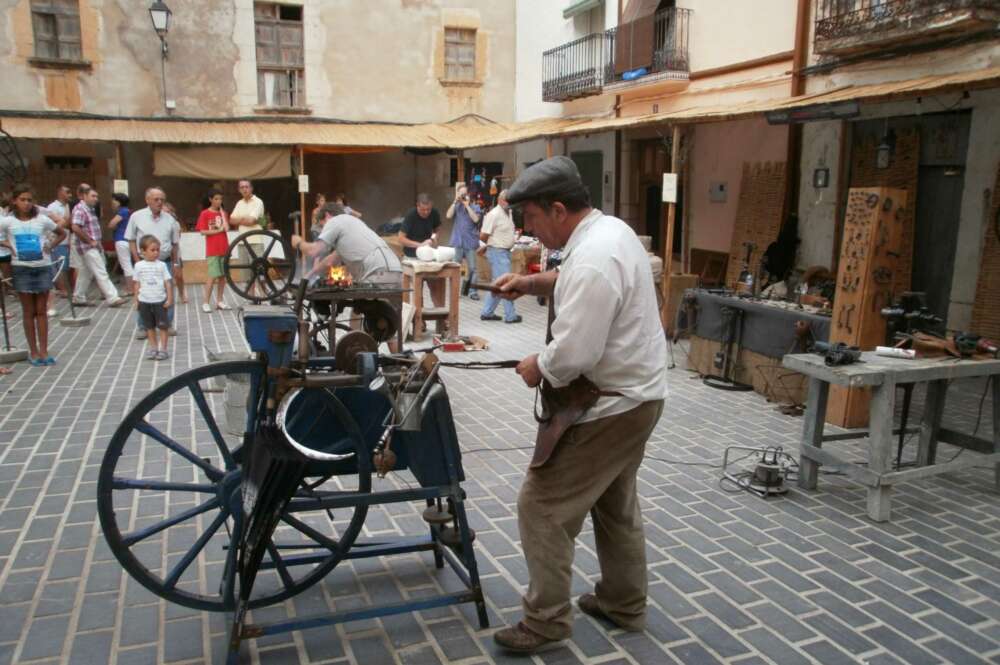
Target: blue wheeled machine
{"points": [[239, 484]]}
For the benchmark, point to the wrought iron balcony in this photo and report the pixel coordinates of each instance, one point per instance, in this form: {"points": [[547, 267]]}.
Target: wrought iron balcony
{"points": [[587, 66], [670, 60], [574, 70], [847, 26]]}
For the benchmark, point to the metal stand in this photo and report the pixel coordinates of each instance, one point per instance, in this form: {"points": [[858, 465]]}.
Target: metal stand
{"points": [[724, 360], [72, 321], [10, 354]]}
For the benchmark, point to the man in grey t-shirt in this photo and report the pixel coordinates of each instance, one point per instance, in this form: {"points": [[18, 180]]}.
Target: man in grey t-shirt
{"points": [[348, 239]]}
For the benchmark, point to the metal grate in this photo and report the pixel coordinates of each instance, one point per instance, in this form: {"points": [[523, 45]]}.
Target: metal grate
{"points": [[848, 18]]}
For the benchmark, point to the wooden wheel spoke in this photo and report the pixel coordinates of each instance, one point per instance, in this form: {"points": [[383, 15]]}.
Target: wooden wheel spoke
{"points": [[155, 434], [309, 531], [171, 581], [119, 483], [253, 254], [279, 564], [213, 427], [131, 539]]}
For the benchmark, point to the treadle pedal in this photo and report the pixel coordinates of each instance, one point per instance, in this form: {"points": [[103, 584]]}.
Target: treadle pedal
{"points": [[435, 515], [451, 536]]}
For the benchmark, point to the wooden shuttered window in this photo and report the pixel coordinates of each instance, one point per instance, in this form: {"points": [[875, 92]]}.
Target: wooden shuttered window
{"points": [[459, 54], [56, 26], [280, 62]]}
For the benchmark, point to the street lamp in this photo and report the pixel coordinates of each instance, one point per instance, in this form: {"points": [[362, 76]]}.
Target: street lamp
{"points": [[160, 14]]}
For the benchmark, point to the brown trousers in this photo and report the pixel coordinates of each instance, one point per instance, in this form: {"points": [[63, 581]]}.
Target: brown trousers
{"points": [[593, 469]]}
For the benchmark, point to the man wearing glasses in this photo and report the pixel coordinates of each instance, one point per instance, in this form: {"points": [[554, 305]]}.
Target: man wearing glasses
{"points": [[154, 221]]}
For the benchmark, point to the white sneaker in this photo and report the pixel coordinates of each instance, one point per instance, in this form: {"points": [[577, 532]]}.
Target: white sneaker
{"points": [[205, 307], [223, 305], [52, 312], [117, 302]]}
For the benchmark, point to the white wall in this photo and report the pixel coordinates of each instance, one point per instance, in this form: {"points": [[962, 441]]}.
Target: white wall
{"points": [[531, 151], [724, 32], [540, 27], [818, 207]]}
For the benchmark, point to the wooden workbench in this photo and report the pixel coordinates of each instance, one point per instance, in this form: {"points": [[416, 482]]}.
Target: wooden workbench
{"points": [[413, 278], [882, 375]]}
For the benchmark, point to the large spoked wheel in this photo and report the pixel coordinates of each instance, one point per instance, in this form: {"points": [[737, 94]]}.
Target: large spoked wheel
{"points": [[259, 265], [169, 493]]}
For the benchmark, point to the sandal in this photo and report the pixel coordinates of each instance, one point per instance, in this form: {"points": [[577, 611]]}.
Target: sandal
{"points": [[36, 362], [49, 361]]}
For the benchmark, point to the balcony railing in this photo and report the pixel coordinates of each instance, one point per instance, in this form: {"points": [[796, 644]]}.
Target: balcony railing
{"points": [[846, 25], [574, 70], [671, 28], [584, 66]]}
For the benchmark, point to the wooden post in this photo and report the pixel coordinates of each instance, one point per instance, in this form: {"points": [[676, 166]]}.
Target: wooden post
{"points": [[119, 162], [460, 170], [668, 232], [302, 195], [548, 148]]}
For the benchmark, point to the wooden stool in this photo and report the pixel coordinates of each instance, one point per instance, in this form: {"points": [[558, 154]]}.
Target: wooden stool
{"points": [[413, 279]]}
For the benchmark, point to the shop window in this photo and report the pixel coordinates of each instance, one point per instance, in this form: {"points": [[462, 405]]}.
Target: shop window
{"points": [[280, 63], [459, 54], [56, 26]]}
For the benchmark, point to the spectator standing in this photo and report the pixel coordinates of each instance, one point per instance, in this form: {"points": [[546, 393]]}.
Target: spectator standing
{"points": [[498, 234], [177, 261], [465, 233], [86, 228], [317, 218], [60, 208], [118, 224], [27, 234], [248, 211], [342, 200], [420, 227], [155, 298], [213, 224], [154, 220]]}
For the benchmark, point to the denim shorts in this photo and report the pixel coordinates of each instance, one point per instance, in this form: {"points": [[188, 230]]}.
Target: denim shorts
{"points": [[153, 315], [32, 280]]}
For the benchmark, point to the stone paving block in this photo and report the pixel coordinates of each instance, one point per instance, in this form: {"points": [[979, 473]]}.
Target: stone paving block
{"points": [[45, 638], [91, 648], [900, 646]]}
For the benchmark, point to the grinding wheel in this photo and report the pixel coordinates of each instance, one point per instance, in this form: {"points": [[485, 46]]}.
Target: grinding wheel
{"points": [[348, 348], [379, 320]]}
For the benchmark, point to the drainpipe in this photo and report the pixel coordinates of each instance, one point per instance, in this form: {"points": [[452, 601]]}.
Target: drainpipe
{"points": [[794, 157]]}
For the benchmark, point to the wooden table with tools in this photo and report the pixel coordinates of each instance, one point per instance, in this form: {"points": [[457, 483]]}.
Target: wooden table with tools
{"points": [[882, 375], [414, 274]]}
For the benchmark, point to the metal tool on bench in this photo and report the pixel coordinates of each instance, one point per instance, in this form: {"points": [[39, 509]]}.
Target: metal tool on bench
{"points": [[836, 354], [909, 314]]}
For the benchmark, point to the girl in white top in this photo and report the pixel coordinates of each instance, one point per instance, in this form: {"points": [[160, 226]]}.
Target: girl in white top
{"points": [[26, 235]]}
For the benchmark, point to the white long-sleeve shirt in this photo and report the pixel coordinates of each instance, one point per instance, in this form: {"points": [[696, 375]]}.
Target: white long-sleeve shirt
{"points": [[607, 325]]}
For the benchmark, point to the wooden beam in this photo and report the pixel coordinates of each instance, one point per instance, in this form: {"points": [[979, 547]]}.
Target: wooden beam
{"points": [[302, 206], [548, 148], [668, 249], [460, 168], [119, 161]]}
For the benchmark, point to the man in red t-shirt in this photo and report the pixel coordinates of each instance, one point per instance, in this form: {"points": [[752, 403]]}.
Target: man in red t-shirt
{"points": [[213, 223]]}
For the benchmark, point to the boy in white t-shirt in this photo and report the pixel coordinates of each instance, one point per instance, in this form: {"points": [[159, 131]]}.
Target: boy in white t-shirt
{"points": [[156, 296]]}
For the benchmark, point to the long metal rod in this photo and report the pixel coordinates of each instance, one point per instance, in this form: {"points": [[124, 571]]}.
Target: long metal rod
{"points": [[3, 312]]}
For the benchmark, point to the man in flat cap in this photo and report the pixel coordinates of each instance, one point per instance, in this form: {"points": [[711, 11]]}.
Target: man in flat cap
{"points": [[607, 330]]}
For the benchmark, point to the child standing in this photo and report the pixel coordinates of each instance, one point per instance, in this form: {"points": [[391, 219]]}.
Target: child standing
{"points": [[156, 296], [213, 223], [26, 233]]}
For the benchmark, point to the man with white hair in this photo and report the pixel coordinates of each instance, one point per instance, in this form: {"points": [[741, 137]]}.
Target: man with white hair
{"points": [[154, 221]]}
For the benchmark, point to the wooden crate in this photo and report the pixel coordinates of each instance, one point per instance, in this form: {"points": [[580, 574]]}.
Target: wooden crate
{"points": [[870, 258]]}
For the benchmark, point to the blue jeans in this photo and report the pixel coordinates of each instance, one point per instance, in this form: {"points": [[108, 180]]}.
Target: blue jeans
{"points": [[470, 257], [170, 310], [499, 264]]}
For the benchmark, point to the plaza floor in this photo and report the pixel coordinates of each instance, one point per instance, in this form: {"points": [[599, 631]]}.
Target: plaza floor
{"points": [[802, 578]]}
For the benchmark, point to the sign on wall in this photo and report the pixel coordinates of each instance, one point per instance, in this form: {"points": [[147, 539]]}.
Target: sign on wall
{"points": [[669, 188]]}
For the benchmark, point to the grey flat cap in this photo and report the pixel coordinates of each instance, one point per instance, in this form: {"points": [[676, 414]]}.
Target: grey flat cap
{"points": [[551, 179]]}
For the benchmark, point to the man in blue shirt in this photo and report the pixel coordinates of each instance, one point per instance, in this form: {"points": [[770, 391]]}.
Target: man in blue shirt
{"points": [[465, 233]]}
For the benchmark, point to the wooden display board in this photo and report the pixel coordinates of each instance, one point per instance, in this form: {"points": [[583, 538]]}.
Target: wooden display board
{"points": [[869, 260], [985, 311]]}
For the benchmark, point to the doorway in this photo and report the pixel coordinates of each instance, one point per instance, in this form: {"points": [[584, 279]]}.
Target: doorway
{"points": [[591, 167]]}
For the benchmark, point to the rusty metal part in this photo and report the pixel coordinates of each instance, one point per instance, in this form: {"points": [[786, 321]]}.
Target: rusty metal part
{"points": [[379, 320], [385, 461], [348, 348], [435, 515]]}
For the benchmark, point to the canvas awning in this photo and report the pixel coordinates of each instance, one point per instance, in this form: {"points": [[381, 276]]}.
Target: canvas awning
{"points": [[465, 133], [222, 162]]}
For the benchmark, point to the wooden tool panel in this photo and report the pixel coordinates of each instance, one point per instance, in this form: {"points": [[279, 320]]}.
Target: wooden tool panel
{"points": [[869, 260]]}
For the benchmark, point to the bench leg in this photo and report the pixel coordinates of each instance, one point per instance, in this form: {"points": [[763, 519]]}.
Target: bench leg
{"points": [[995, 387], [812, 430], [931, 423], [418, 308], [880, 448]]}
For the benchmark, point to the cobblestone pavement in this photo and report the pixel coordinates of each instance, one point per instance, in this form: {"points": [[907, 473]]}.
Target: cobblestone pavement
{"points": [[805, 578]]}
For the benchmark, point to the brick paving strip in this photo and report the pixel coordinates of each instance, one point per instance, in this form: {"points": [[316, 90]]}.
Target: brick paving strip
{"points": [[805, 578]]}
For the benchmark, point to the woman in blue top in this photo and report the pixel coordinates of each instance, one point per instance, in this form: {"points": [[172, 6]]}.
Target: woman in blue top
{"points": [[118, 224], [26, 233]]}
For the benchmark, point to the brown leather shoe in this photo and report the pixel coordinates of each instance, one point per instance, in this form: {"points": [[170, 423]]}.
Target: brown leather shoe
{"points": [[521, 639], [588, 605]]}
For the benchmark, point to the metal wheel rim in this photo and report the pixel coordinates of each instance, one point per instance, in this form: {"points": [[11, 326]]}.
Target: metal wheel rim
{"points": [[259, 266]]}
